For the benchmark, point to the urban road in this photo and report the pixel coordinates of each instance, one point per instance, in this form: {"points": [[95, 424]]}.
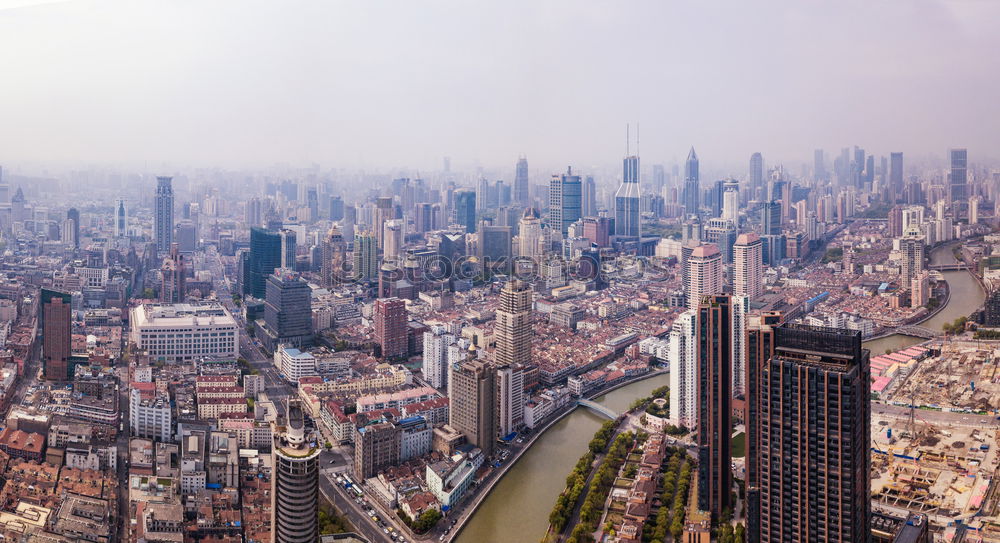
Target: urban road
{"points": [[278, 390]]}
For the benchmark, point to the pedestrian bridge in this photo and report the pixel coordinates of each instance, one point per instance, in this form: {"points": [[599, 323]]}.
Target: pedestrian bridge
{"points": [[917, 331], [594, 406]]}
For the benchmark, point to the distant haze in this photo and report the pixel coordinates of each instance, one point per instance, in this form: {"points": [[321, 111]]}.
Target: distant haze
{"points": [[392, 84]]}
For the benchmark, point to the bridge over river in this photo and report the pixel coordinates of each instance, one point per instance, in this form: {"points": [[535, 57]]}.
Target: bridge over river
{"points": [[594, 406]]}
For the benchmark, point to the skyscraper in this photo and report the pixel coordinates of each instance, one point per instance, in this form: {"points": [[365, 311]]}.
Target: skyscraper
{"points": [[958, 178], [163, 222], [295, 497], [435, 365], [565, 193], [471, 393], [17, 203], [530, 238], [692, 187], [521, 194], [57, 334], [704, 274], [714, 403], [390, 318], [336, 208], [333, 253], [813, 463], [376, 447], [682, 354], [482, 195], [749, 265], [253, 212], [627, 219], [121, 219], [509, 399], [383, 212], [288, 248], [896, 175], [392, 239], [513, 324], [756, 175], [819, 166], [365, 256], [287, 310], [465, 209], [731, 201], [265, 257], [74, 215], [758, 351], [588, 198], [723, 234], [495, 247], [597, 230], [771, 218], [912, 247], [659, 179], [172, 289]]}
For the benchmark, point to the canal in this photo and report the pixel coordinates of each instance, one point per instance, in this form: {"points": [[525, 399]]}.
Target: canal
{"points": [[518, 508], [966, 297], [517, 511]]}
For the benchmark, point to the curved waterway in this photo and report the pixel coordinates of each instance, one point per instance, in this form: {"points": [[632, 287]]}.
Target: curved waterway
{"points": [[966, 297], [517, 510]]}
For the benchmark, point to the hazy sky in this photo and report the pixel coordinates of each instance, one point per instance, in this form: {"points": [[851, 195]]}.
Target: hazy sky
{"points": [[385, 84]]}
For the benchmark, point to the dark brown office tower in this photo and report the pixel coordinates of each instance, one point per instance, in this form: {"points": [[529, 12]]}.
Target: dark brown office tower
{"points": [[57, 334], [813, 439], [390, 327], [759, 349], [714, 390], [472, 394]]}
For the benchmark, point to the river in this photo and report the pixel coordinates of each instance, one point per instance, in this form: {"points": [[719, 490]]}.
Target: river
{"points": [[966, 297], [517, 510]]}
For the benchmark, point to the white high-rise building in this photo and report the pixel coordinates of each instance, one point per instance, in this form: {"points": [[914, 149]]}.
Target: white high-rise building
{"points": [[912, 216], [510, 399], [704, 274], [436, 343], [393, 238], [731, 201], [682, 355], [530, 237], [748, 257]]}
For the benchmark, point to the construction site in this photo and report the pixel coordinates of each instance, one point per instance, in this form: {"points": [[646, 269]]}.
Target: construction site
{"points": [[959, 375], [934, 440]]}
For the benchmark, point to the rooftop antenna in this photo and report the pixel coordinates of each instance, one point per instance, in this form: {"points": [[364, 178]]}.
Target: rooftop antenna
{"points": [[627, 138], [637, 139]]}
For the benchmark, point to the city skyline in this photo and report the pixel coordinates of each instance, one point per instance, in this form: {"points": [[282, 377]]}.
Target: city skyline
{"points": [[312, 272]]}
